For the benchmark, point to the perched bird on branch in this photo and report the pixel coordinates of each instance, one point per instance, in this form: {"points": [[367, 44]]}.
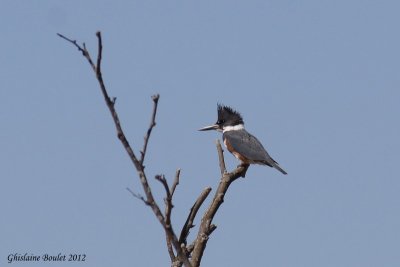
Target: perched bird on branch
{"points": [[238, 141]]}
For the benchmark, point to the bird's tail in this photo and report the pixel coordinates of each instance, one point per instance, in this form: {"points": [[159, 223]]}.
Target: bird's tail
{"points": [[272, 163], [276, 166]]}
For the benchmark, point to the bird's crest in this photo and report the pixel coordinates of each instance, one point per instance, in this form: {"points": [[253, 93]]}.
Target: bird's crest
{"points": [[228, 114]]}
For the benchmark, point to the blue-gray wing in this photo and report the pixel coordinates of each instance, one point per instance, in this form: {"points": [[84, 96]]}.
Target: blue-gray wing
{"points": [[247, 145]]}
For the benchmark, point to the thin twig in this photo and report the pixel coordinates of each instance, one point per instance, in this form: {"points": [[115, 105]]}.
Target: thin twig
{"points": [[163, 181], [152, 124], [176, 181], [138, 196], [99, 53], [221, 157]]}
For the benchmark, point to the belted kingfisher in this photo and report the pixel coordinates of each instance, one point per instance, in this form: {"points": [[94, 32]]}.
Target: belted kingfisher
{"points": [[238, 141]]}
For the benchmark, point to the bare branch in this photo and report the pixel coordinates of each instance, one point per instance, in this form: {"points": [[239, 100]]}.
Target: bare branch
{"points": [[99, 53], [176, 181], [138, 196], [221, 157], [152, 124], [83, 49], [161, 179], [168, 210], [196, 249], [149, 200], [206, 226], [192, 214]]}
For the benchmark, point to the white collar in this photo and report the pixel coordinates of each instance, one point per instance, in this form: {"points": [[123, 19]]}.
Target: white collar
{"points": [[233, 128]]}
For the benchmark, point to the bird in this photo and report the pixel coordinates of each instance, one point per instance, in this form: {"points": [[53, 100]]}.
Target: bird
{"points": [[243, 145]]}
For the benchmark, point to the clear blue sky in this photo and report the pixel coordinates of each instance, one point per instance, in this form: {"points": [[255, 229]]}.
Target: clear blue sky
{"points": [[316, 81]]}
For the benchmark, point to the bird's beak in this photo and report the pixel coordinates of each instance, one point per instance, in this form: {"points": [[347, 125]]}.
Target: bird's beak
{"points": [[211, 127]]}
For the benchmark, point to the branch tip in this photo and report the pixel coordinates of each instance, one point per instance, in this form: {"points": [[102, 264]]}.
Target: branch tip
{"points": [[138, 196], [176, 181], [151, 126], [155, 97]]}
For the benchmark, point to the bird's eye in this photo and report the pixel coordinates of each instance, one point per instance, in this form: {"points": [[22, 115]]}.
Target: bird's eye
{"points": [[220, 121]]}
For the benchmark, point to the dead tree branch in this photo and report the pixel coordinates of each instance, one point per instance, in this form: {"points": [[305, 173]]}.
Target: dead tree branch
{"points": [[192, 214], [176, 181], [138, 163], [179, 252], [206, 226], [152, 125]]}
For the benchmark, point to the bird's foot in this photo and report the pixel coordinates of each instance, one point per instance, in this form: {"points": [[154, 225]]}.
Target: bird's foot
{"points": [[245, 167]]}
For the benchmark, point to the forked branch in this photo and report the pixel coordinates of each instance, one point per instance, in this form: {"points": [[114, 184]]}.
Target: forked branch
{"points": [[206, 226], [187, 255], [138, 163]]}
